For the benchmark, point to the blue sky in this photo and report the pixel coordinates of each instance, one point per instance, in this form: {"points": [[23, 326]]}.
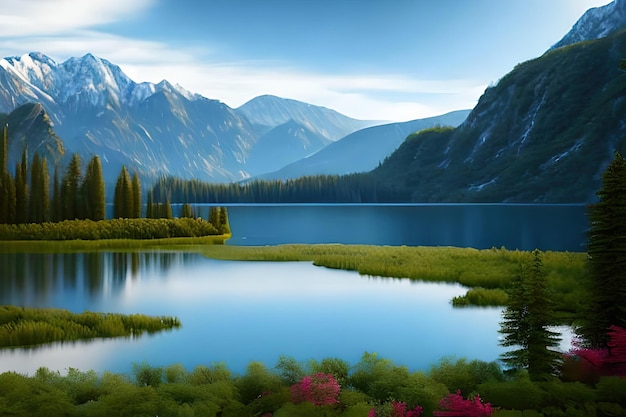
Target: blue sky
{"points": [[369, 59]]}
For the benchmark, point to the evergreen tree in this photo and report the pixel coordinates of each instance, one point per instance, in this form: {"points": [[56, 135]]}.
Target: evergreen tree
{"points": [[186, 211], [4, 146], [606, 264], [40, 192], [224, 225], [214, 217], [56, 209], [150, 205], [123, 197], [136, 191], [70, 195], [527, 321], [93, 186], [4, 203], [21, 195], [10, 193]]}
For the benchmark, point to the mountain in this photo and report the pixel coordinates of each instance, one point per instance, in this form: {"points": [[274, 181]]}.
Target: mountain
{"points": [[295, 141], [30, 128], [268, 111], [544, 133], [362, 150], [158, 129], [596, 23]]}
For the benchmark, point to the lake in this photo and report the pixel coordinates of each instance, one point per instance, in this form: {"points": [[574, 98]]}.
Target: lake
{"points": [[481, 226], [237, 312]]}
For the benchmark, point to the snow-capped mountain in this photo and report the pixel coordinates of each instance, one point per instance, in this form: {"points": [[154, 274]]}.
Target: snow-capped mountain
{"points": [[596, 23], [155, 129]]}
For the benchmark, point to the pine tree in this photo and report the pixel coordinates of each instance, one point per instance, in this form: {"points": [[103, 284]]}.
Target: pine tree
{"points": [[4, 203], [21, 194], [187, 211], [527, 321], [606, 264], [93, 187], [40, 193], [56, 209], [70, 195], [150, 205], [123, 197], [11, 202], [136, 192]]}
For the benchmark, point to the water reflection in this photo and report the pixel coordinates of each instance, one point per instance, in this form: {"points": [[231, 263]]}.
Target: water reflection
{"points": [[73, 281], [238, 312]]}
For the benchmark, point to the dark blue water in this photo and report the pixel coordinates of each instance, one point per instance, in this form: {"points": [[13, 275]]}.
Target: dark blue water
{"points": [[482, 226]]}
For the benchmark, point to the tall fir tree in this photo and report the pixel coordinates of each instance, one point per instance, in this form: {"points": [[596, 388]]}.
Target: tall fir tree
{"points": [[149, 205], [123, 196], [606, 262], [136, 191], [528, 317], [21, 194], [4, 203], [70, 187], [56, 209], [9, 194], [93, 186], [40, 190]]}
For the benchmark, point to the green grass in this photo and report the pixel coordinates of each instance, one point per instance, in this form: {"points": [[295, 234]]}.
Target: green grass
{"points": [[487, 272], [20, 326]]}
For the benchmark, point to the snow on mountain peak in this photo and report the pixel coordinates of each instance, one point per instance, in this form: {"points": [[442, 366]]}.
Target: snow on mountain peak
{"points": [[596, 23]]}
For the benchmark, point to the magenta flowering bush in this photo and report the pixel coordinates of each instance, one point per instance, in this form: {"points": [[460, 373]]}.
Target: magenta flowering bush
{"points": [[610, 361], [319, 389], [453, 405]]}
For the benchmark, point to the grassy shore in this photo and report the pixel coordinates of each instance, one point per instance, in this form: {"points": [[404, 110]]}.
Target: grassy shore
{"points": [[487, 273], [20, 326]]}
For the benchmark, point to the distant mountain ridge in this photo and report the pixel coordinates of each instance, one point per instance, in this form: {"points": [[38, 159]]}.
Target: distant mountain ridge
{"points": [[158, 129], [362, 150]]}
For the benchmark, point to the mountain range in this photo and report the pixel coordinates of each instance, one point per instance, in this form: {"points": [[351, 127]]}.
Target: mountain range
{"points": [[544, 133], [162, 129]]}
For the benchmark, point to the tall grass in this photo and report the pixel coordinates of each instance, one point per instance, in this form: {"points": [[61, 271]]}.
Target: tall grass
{"points": [[21, 326], [489, 271]]}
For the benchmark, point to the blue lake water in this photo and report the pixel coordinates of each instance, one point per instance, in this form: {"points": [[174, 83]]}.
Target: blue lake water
{"points": [[237, 312], [481, 226]]}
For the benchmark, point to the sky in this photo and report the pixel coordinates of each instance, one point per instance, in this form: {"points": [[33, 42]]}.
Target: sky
{"points": [[392, 60]]}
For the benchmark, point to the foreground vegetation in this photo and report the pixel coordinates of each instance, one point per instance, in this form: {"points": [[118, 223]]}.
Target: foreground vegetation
{"points": [[330, 387], [21, 326]]}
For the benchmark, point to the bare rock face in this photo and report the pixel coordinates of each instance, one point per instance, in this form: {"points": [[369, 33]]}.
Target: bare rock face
{"points": [[596, 23]]}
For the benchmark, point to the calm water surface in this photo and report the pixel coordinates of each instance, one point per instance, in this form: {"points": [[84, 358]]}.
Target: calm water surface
{"points": [[238, 312], [481, 226]]}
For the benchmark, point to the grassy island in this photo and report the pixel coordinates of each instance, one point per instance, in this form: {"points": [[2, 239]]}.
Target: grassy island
{"points": [[21, 326]]}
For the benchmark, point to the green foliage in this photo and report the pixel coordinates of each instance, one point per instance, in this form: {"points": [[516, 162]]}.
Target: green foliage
{"points": [[109, 229], [463, 375], [70, 198], [21, 326], [527, 319], [123, 201], [93, 190], [606, 283], [483, 297]]}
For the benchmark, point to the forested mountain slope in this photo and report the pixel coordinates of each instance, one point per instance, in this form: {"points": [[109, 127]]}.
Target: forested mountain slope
{"points": [[544, 133]]}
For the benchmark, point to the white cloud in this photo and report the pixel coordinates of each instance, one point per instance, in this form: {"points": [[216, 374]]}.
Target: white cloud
{"points": [[35, 17], [392, 97]]}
